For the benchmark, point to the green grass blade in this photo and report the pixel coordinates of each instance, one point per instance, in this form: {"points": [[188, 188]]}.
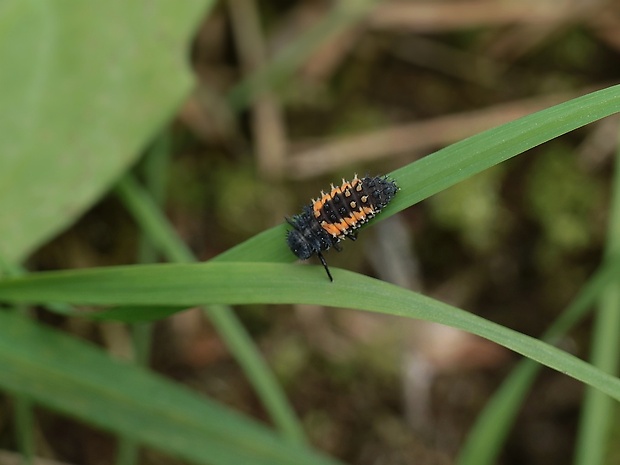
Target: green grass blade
{"points": [[598, 409], [261, 283], [22, 405], [25, 427], [443, 169], [78, 379], [447, 167]]}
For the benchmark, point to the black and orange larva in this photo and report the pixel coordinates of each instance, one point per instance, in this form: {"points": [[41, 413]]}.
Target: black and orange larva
{"points": [[336, 215]]}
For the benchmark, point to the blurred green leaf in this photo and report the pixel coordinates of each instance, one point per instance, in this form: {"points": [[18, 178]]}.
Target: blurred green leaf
{"points": [[83, 87], [74, 377]]}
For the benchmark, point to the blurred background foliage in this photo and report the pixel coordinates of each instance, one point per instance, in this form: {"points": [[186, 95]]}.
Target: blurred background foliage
{"points": [[363, 88]]}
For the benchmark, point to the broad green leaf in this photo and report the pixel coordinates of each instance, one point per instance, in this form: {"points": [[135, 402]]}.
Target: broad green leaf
{"points": [[260, 283], [74, 377], [83, 87]]}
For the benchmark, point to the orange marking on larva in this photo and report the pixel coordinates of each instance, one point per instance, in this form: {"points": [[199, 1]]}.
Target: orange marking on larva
{"points": [[346, 185], [317, 205], [351, 220], [369, 210], [342, 226], [359, 215], [335, 191], [330, 228]]}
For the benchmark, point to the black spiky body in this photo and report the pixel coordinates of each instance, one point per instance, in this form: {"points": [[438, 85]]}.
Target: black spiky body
{"points": [[337, 215]]}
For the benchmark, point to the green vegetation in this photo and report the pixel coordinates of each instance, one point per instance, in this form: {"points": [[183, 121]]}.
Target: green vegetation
{"points": [[80, 105]]}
